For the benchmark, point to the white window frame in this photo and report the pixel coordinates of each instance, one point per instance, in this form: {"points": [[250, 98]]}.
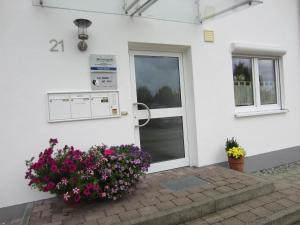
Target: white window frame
{"points": [[257, 107]]}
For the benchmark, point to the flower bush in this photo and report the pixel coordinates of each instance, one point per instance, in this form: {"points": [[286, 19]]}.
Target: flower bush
{"points": [[100, 173], [236, 152]]}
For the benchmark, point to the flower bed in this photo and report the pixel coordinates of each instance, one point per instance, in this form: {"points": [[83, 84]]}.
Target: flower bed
{"points": [[100, 173]]}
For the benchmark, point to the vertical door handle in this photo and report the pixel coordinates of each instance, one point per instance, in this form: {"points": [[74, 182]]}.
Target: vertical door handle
{"points": [[148, 110]]}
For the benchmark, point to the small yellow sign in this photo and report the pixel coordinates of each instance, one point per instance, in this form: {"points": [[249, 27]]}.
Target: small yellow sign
{"points": [[209, 36]]}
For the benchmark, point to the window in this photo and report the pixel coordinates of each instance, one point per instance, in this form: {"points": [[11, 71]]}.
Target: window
{"points": [[256, 83]]}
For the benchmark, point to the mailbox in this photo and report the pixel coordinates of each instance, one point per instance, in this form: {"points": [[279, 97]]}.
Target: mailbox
{"points": [[83, 105]]}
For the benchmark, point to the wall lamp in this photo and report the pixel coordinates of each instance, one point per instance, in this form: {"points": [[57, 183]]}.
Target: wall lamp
{"points": [[82, 25]]}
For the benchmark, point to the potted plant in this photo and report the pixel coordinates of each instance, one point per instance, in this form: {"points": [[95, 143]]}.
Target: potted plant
{"points": [[235, 154], [98, 174]]}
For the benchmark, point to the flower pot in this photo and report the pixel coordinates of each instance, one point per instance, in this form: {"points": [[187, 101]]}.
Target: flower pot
{"points": [[236, 164]]}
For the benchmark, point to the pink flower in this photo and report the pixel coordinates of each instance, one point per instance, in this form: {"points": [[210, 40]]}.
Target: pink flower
{"points": [[66, 196], [108, 152], [76, 190], [64, 181], [103, 194]]}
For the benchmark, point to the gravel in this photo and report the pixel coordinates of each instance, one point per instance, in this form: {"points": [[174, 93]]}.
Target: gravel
{"points": [[278, 169]]}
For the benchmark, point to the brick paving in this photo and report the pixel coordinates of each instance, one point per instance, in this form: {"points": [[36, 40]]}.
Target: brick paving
{"points": [[151, 198], [286, 196]]}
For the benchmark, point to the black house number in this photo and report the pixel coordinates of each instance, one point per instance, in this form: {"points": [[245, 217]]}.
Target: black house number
{"points": [[56, 46]]}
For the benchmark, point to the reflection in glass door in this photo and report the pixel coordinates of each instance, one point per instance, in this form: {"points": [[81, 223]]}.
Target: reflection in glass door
{"points": [[158, 83]]}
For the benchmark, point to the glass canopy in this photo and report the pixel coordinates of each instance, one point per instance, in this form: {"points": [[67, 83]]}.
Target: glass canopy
{"points": [[187, 11]]}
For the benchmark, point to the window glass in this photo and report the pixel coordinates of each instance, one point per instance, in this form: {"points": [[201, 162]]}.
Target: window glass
{"points": [[158, 81], [267, 81], [243, 82], [163, 139]]}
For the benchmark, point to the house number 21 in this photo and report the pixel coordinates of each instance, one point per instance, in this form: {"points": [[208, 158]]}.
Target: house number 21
{"points": [[56, 46]]}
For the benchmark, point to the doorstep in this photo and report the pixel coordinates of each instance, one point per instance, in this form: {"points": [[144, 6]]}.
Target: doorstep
{"points": [[168, 197]]}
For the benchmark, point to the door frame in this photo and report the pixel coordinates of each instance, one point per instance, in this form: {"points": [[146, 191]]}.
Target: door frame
{"points": [[142, 114]]}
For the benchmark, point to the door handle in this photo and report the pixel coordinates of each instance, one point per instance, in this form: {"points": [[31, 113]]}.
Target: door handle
{"points": [[148, 110]]}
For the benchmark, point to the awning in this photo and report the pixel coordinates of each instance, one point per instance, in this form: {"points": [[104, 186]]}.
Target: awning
{"points": [[187, 11]]}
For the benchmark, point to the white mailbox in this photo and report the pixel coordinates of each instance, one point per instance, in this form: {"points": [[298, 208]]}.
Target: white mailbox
{"points": [[100, 105], [83, 105], [59, 107], [80, 106]]}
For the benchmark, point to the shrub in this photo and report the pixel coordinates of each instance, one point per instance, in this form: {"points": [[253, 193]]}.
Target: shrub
{"points": [[230, 143], [100, 173]]}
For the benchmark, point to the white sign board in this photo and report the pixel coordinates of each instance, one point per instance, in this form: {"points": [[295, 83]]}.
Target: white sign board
{"points": [[103, 72]]}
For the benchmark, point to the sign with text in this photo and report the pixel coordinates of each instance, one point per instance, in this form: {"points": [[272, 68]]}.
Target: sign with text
{"points": [[103, 72]]}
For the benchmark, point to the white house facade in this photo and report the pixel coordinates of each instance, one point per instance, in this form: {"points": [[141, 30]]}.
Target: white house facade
{"points": [[174, 91]]}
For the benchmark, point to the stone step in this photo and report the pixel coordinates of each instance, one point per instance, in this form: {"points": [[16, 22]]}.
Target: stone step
{"points": [[278, 208], [165, 198], [203, 208]]}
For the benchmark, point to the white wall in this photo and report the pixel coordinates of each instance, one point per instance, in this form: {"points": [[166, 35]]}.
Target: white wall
{"points": [[29, 70]]}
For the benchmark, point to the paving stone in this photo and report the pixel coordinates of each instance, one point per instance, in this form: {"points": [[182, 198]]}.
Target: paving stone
{"points": [[166, 197], [129, 215], [94, 215], [285, 202], [227, 213], [242, 208], [109, 220], [232, 221], [91, 222], [255, 203], [246, 217], [179, 194], [237, 186], [182, 201], [147, 210], [224, 189], [213, 218], [165, 205], [261, 211], [114, 210], [150, 201], [274, 207], [132, 205], [197, 197]]}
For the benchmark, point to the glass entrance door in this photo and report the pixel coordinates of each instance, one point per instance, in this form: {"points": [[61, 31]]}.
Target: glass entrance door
{"points": [[159, 109]]}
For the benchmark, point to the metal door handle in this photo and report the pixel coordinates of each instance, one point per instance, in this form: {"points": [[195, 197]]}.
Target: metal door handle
{"points": [[148, 110]]}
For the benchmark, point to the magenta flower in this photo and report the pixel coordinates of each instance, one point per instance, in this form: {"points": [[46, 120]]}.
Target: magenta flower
{"points": [[87, 192], [72, 168], [53, 168], [108, 152], [77, 198]]}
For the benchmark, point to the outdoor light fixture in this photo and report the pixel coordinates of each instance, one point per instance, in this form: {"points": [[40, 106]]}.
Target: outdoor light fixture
{"points": [[82, 25]]}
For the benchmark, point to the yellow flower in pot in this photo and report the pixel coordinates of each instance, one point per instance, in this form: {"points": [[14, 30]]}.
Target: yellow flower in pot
{"points": [[236, 155]]}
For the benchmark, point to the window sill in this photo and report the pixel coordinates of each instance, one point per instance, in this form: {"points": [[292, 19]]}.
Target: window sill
{"points": [[260, 113]]}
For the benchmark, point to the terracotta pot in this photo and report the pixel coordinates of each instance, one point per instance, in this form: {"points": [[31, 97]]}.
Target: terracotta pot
{"points": [[236, 164]]}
